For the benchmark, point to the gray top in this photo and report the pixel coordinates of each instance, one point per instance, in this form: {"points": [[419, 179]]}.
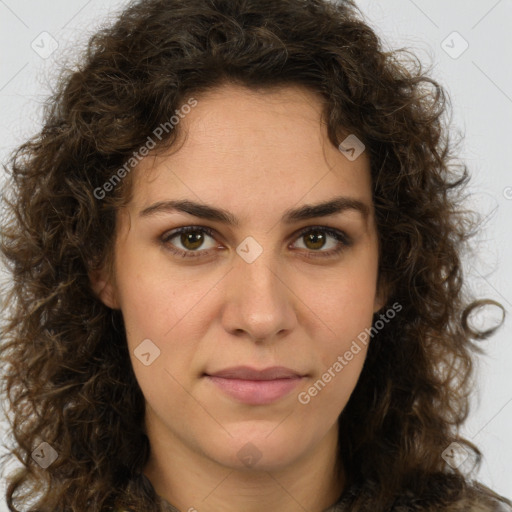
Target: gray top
{"points": [[479, 502], [343, 505]]}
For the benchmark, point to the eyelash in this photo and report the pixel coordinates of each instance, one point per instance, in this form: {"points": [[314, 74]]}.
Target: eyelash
{"points": [[343, 241]]}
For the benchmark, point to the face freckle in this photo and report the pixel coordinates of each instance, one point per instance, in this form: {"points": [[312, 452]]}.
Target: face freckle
{"points": [[259, 295]]}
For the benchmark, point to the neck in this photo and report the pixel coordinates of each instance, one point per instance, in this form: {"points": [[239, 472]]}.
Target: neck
{"points": [[192, 482]]}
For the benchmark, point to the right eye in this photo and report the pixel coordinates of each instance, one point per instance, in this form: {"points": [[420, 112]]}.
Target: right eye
{"points": [[191, 239]]}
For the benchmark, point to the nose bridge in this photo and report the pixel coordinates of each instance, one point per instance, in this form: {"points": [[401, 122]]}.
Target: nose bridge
{"points": [[259, 302]]}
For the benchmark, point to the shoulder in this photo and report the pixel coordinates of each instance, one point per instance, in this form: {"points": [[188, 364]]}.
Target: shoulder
{"points": [[475, 498], [465, 505], [482, 499]]}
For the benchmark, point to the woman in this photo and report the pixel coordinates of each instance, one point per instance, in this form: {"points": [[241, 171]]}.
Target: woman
{"points": [[235, 249]]}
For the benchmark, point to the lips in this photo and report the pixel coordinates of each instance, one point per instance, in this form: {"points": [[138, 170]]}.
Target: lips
{"points": [[255, 387], [248, 373]]}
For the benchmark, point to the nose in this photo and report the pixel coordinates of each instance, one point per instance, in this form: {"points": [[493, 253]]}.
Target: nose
{"points": [[259, 302]]}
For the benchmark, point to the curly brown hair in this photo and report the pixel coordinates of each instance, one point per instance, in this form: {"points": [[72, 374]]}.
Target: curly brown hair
{"points": [[67, 376]]}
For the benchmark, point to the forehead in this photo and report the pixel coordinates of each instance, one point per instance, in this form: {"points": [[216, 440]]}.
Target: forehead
{"points": [[237, 145]]}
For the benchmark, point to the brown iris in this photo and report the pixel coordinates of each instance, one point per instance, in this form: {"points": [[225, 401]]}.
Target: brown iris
{"points": [[192, 240], [316, 237]]}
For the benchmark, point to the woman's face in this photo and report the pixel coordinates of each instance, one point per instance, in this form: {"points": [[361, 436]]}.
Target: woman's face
{"points": [[263, 284]]}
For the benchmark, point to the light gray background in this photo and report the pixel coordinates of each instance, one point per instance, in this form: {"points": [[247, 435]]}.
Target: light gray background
{"points": [[479, 82]]}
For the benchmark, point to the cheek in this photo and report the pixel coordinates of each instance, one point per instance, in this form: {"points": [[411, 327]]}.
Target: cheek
{"points": [[343, 306], [347, 308], [164, 312], [154, 298], [341, 361], [327, 394]]}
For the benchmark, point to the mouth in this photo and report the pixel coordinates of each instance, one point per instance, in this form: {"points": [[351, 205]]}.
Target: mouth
{"points": [[256, 387]]}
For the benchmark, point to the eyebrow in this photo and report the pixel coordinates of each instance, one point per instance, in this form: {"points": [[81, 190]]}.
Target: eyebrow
{"points": [[308, 211]]}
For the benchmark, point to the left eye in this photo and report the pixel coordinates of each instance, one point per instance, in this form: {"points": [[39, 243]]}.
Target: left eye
{"points": [[314, 238], [317, 238]]}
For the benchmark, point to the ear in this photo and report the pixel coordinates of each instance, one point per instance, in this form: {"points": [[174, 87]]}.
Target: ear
{"points": [[103, 287]]}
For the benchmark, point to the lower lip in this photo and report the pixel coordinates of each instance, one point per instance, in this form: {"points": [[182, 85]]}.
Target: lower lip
{"points": [[256, 392]]}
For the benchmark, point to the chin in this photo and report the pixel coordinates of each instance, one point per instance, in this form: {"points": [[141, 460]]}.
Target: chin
{"points": [[270, 449]]}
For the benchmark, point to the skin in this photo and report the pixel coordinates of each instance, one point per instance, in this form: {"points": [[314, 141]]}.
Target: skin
{"points": [[255, 154]]}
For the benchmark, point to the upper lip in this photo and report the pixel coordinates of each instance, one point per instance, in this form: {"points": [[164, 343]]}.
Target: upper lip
{"points": [[248, 373]]}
